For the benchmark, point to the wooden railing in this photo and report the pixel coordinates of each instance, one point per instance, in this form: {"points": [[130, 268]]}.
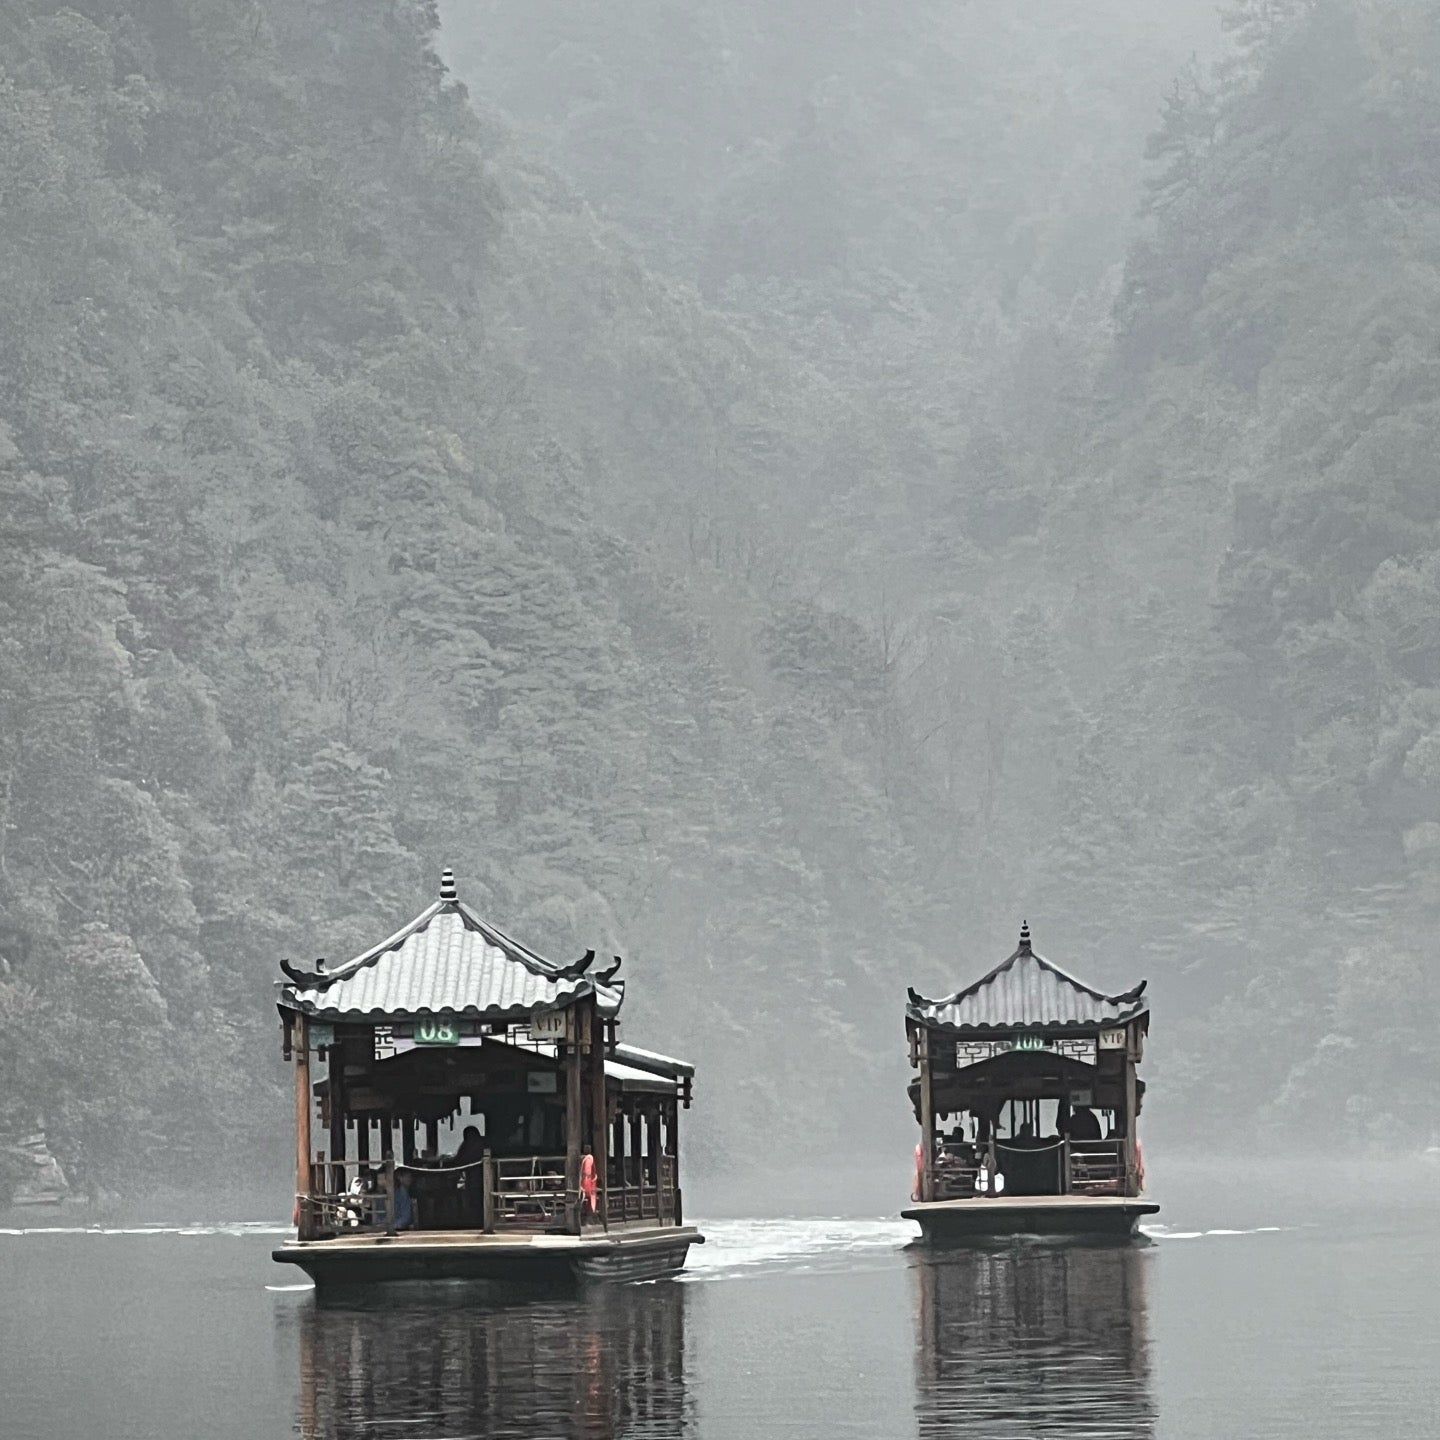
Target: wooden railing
{"points": [[525, 1193], [637, 1195], [1087, 1167], [514, 1193], [330, 1207], [1096, 1167], [954, 1179]]}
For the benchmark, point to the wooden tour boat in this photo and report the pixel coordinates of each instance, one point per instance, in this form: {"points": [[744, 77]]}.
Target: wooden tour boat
{"points": [[1028, 1104], [567, 1164]]}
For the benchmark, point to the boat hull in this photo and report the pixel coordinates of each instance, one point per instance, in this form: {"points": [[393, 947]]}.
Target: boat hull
{"points": [[1044, 1215], [539, 1260]]}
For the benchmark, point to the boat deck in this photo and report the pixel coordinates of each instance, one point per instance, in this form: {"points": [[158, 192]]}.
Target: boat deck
{"points": [[1031, 1215], [630, 1252]]}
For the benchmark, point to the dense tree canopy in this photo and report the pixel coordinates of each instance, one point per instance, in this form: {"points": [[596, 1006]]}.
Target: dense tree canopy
{"points": [[784, 552], [310, 590]]}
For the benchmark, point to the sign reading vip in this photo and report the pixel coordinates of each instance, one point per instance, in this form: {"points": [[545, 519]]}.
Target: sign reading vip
{"points": [[548, 1024]]}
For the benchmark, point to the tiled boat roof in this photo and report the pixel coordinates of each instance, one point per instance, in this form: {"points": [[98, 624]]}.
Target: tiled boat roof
{"points": [[447, 960], [1027, 991]]}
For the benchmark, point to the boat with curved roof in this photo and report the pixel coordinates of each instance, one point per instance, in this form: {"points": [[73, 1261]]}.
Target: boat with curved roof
{"points": [[1028, 1100]]}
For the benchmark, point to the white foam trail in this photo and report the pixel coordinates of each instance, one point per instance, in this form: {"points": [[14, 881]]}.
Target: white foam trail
{"points": [[237, 1228], [1159, 1232], [738, 1246]]}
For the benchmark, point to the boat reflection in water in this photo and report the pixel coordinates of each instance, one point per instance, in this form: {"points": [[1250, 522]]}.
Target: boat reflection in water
{"points": [[1033, 1339], [440, 1362]]}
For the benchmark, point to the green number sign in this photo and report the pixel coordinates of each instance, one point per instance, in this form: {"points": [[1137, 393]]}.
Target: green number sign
{"points": [[436, 1032]]}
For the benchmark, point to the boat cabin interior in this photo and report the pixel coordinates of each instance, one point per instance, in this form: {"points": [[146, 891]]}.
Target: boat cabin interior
{"points": [[1027, 1085], [485, 1083]]}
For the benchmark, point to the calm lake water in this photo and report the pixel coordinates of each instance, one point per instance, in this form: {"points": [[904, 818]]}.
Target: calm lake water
{"points": [[1263, 1326]]}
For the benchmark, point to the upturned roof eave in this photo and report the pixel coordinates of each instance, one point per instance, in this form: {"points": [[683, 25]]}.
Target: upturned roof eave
{"points": [[448, 960], [1024, 951], [670, 1066], [288, 999], [521, 954], [1072, 1028]]}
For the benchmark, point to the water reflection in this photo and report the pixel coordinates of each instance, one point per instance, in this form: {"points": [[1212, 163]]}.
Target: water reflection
{"points": [[452, 1363], [1033, 1340]]}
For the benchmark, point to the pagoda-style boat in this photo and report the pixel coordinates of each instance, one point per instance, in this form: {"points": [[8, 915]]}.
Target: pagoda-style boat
{"points": [[477, 1117], [1028, 1104]]}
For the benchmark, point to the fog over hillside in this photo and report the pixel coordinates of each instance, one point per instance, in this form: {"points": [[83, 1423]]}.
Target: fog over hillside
{"points": [[781, 492]]}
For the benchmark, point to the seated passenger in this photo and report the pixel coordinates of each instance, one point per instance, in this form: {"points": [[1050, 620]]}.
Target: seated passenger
{"points": [[958, 1152], [472, 1147], [360, 1189], [990, 1180], [404, 1202], [1083, 1125], [472, 1180]]}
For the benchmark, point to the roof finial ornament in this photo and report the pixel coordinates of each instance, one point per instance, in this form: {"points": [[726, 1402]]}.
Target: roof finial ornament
{"points": [[1024, 937], [447, 885]]}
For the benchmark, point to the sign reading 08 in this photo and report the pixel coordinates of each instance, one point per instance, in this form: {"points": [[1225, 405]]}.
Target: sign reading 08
{"points": [[437, 1032]]}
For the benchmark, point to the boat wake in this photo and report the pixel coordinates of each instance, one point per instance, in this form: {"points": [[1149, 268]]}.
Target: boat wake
{"points": [[737, 1248], [238, 1228], [1162, 1232]]}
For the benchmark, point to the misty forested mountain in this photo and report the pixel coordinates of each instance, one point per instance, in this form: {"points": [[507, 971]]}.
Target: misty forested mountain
{"points": [[308, 595], [1138, 309], [778, 498]]}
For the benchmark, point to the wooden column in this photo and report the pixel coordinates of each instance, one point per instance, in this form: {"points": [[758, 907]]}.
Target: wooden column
{"points": [[302, 1123], [667, 1160], [336, 1068], [599, 1128], [574, 1118], [488, 1193], [678, 1210], [388, 1184], [1131, 1113], [642, 1153], [1062, 1129], [927, 1118]]}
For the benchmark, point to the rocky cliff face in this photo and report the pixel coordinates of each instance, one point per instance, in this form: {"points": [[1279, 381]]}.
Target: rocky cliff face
{"points": [[29, 1173]]}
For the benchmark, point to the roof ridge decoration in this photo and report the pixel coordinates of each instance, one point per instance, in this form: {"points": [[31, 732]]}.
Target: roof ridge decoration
{"points": [[1125, 1004], [450, 900], [435, 964]]}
